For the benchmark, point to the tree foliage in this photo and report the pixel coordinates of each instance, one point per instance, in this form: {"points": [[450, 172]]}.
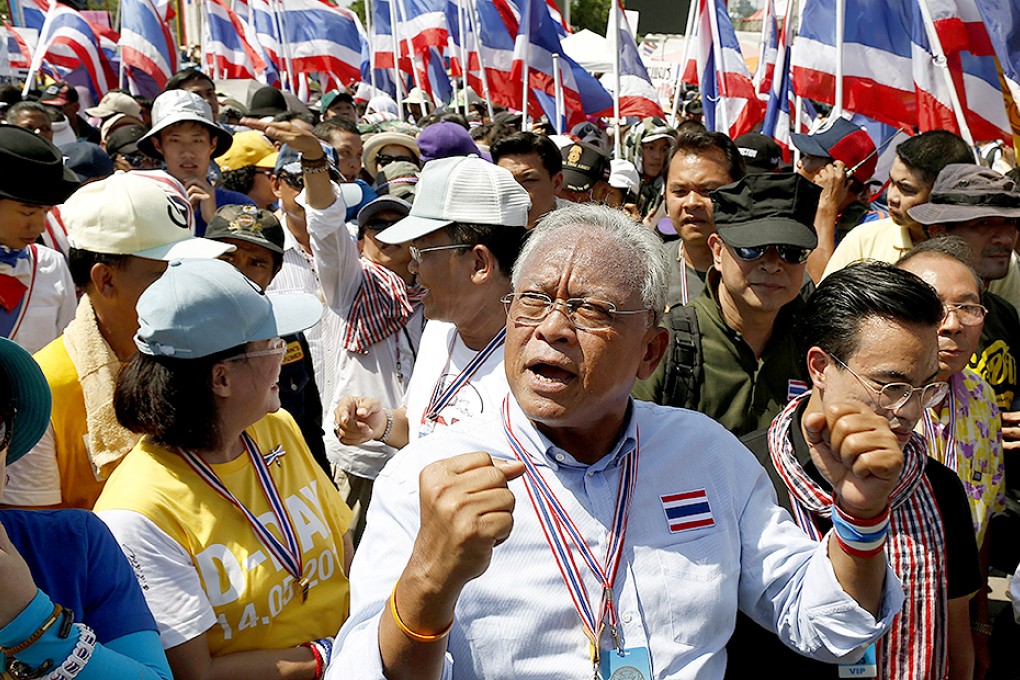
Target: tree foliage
{"points": [[590, 14]]}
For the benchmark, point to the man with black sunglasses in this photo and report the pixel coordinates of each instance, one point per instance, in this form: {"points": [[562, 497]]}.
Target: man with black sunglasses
{"points": [[732, 350]]}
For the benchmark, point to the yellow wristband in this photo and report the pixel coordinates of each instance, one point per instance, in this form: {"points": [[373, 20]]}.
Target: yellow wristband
{"points": [[417, 637]]}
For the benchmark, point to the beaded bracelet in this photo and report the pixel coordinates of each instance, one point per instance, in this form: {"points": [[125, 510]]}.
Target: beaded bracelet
{"points": [[861, 538], [34, 637], [79, 656], [417, 637], [389, 426]]}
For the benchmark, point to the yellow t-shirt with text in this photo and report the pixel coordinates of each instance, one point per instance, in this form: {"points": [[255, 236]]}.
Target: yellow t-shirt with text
{"points": [[256, 601]]}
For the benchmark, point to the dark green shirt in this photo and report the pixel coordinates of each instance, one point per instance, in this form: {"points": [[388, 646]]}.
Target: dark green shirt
{"points": [[742, 392]]}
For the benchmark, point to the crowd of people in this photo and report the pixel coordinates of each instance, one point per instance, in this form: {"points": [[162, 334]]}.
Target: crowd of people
{"points": [[350, 391]]}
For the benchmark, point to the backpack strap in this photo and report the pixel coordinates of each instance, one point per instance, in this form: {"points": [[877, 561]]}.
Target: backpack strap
{"points": [[683, 358]]}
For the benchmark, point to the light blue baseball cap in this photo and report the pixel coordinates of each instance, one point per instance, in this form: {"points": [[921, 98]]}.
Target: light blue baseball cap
{"points": [[201, 307]]}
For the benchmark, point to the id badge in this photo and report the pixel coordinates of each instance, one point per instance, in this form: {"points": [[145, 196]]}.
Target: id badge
{"points": [[633, 663], [867, 667]]}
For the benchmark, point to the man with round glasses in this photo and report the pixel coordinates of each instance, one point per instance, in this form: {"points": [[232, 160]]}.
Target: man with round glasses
{"points": [[741, 327], [869, 336]]}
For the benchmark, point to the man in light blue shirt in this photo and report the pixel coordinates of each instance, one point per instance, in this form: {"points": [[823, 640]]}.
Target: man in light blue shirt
{"points": [[638, 530]]}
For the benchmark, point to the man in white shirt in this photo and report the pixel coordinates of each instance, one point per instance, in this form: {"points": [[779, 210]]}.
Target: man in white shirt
{"points": [[37, 296], [645, 528], [465, 231]]}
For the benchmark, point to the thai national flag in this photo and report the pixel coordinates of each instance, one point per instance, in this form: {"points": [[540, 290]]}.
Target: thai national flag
{"points": [[730, 103], [769, 52], [497, 30], [637, 95], [227, 51], [538, 40], [19, 54], [464, 59], [70, 41], [318, 38], [424, 36], [889, 67], [380, 44], [687, 510], [1000, 21], [780, 93], [146, 42], [34, 13]]}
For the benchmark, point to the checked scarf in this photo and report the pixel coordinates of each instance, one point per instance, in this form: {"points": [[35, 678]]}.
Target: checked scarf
{"points": [[381, 307], [915, 646]]}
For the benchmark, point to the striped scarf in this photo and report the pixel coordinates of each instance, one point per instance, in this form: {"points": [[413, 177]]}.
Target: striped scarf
{"points": [[915, 646], [381, 307]]}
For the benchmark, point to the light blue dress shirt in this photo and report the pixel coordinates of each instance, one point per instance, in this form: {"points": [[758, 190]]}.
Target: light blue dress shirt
{"points": [[677, 593]]}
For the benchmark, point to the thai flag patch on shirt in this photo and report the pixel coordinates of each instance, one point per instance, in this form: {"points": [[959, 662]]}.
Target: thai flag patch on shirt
{"points": [[795, 388], [687, 510]]}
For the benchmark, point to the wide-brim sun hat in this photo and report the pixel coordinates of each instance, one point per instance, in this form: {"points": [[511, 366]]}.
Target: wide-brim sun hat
{"points": [[180, 106], [376, 142], [30, 397], [963, 192]]}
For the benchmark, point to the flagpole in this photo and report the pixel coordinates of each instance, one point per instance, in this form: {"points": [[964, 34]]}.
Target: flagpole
{"points": [[288, 82], [397, 80], [475, 23], [370, 37], [464, 65], [837, 107], [40, 50], [799, 113], [759, 69], [940, 60], [120, 29], [614, 23], [692, 12], [558, 85], [526, 18], [411, 55]]}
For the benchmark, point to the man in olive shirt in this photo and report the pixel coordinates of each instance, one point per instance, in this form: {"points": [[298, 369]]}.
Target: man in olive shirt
{"points": [[747, 367]]}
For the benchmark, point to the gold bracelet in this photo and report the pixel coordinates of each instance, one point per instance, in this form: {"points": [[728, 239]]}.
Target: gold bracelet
{"points": [[34, 637], [417, 637]]}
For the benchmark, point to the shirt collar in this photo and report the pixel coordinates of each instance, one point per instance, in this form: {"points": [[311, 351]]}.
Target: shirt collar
{"points": [[544, 452]]}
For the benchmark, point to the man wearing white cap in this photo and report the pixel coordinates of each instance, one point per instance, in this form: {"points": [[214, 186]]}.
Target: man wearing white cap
{"points": [[185, 137], [123, 230], [465, 229]]}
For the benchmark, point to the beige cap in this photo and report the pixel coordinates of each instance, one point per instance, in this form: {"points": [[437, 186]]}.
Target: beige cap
{"points": [[146, 214]]}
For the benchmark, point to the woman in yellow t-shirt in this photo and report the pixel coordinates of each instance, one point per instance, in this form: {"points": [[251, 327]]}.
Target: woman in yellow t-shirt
{"points": [[237, 537]]}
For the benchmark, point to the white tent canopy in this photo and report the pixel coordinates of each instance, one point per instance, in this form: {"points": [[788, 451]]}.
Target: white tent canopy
{"points": [[590, 50]]}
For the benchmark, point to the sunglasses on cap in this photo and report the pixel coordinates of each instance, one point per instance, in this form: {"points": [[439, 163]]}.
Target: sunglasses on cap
{"points": [[788, 254]]}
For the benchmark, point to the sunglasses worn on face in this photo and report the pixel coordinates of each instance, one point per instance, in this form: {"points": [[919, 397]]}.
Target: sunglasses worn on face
{"points": [[788, 254], [384, 159]]}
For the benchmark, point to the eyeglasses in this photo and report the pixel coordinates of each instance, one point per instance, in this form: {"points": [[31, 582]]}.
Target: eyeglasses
{"points": [[894, 396], [136, 160], [268, 172], [530, 309], [382, 160], [968, 314], [277, 347], [416, 253], [788, 254]]}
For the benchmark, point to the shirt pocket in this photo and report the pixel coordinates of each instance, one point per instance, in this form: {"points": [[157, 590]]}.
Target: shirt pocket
{"points": [[699, 580]]}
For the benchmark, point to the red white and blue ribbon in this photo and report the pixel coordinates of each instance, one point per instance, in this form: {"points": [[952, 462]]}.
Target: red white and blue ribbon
{"points": [[287, 553], [441, 398], [560, 531]]}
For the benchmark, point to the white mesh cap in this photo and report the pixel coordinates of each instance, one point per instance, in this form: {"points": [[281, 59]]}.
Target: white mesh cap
{"points": [[464, 189]]}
